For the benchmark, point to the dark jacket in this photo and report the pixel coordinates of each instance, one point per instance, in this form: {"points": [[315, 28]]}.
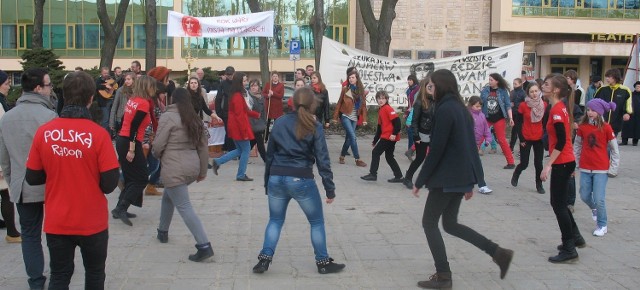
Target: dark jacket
{"points": [[322, 110], [517, 96], [422, 121], [453, 160], [288, 156], [620, 95], [222, 100]]}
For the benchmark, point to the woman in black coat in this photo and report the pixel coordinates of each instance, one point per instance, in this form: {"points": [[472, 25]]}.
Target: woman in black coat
{"points": [[450, 172], [631, 128]]}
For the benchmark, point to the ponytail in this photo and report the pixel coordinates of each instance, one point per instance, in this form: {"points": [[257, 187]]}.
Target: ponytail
{"points": [[304, 102]]}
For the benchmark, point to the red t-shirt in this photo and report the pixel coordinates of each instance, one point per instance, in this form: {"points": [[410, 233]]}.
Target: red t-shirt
{"points": [[73, 153], [559, 114], [386, 114], [530, 131], [135, 104], [595, 155]]}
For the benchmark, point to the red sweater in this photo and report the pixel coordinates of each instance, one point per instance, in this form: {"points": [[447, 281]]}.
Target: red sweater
{"points": [[274, 103], [530, 131], [238, 126]]}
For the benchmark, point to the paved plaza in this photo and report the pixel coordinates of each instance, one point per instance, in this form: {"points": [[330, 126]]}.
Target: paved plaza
{"points": [[372, 227]]}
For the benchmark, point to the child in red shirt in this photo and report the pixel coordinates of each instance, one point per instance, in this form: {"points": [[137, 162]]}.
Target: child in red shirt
{"points": [[595, 139], [385, 140]]}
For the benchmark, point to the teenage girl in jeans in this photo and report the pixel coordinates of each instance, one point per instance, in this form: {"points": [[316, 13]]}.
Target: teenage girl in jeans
{"points": [[561, 167], [351, 105], [298, 142]]}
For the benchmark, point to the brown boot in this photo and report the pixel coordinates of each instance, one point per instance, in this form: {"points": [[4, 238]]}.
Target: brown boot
{"points": [[440, 280], [360, 163], [503, 258], [151, 190], [341, 160]]}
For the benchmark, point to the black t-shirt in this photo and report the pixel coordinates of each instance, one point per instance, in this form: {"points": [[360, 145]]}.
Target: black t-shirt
{"points": [[494, 113]]}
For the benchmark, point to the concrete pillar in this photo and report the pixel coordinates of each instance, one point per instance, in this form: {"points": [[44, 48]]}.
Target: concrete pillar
{"points": [[584, 70], [545, 65]]}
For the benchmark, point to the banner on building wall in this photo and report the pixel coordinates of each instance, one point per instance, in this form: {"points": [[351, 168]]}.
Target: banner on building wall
{"points": [[253, 24], [390, 74], [632, 73], [529, 65]]}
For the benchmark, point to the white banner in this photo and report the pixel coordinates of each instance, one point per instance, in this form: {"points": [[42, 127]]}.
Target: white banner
{"points": [[254, 24], [390, 74], [632, 73]]}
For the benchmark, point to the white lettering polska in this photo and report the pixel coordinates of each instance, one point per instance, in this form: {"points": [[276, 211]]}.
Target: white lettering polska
{"points": [[71, 136]]}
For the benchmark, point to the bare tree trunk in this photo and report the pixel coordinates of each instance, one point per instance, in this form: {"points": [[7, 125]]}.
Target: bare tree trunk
{"points": [[38, 19], [318, 26], [379, 30], [150, 29], [111, 31], [255, 7]]}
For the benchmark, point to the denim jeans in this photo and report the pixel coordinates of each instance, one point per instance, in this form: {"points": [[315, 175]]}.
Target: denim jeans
{"points": [[242, 150], [93, 249], [410, 141], [178, 197], [592, 191], [447, 205], [281, 190], [31, 215], [154, 166], [350, 137], [106, 112]]}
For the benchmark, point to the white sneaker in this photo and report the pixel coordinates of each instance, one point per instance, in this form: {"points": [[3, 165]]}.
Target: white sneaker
{"points": [[485, 190], [600, 231], [594, 214]]}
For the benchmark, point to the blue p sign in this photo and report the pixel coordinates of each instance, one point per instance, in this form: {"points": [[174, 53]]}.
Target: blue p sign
{"points": [[294, 47]]}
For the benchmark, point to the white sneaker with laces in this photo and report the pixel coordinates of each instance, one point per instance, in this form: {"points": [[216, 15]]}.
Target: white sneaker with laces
{"points": [[594, 214], [600, 231], [485, 190]]}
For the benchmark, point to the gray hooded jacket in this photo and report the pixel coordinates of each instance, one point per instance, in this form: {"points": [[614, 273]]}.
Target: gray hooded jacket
{"points": [[17, 128]]}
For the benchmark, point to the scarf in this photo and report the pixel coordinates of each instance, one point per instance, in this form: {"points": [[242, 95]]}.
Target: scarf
{"points": [[356, 97], [316, 88], [75, 112], [537, 109]]}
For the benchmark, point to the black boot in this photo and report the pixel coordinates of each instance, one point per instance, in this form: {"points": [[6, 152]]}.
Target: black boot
{"points": [[515, 177], [163, 236], [407, 183], [579, 242], [129, 215], [438, 280], [539, 187], [327, 266], [204, 251], [369, 177], [568, 254], [263, 264], [503, 258], [121, 212]]}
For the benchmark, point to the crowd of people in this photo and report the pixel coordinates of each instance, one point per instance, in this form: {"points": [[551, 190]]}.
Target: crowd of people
{"points": [[159, 131]]}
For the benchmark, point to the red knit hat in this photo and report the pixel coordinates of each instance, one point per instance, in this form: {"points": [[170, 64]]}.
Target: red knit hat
{"points": [[159, 73]]}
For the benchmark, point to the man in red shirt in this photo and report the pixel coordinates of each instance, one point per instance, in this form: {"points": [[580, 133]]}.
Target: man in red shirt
{"points": [[75, 158]]}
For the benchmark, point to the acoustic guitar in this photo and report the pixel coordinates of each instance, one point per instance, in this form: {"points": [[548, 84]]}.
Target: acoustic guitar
{"points": [[108, 93]]}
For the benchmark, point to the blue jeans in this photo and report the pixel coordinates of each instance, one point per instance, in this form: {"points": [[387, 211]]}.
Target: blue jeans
{"points": [[154, 169], [31, 215], [350, 137], [592, 191], [242, 150], [281, 190], [409, 137], [106, 112]]}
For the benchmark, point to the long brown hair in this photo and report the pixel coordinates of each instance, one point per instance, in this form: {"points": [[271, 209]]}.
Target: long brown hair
{"points": [[321, 85], [304, 102], [128, 90], [423, 95], [190, 120], [359, 86], [560, 82]]}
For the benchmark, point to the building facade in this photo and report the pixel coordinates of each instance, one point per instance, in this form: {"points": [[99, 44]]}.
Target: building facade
{"points": [[589, 36]]}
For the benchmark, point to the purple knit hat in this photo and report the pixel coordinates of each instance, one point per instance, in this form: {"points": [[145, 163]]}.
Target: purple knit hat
{"points": [[600, 106]]}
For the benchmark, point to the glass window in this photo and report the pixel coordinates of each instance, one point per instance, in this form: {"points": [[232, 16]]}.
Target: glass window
{"points": [[136, 10], [139, 36], [91, 36], [567, 3], [9, 37], [25, 12], [565, 60], [78, 36], [54, 11], [74, 11], [90, 13], [58, 36]]}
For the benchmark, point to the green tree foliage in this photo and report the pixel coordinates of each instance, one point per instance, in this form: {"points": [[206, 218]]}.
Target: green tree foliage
{"points": [[44, 58]]}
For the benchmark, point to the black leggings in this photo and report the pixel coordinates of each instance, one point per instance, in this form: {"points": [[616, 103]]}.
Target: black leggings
{"points": [[8, 214], [538, 155], [387, 147], [421, 153], [259, 141], [560, 178], [447, 205], [136, 174]]}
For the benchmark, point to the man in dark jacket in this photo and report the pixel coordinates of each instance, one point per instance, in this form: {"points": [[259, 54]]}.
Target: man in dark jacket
{"points": [[222, 104]]}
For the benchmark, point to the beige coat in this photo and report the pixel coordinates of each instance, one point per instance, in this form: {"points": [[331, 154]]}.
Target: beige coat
{"points": [[182, 163]]}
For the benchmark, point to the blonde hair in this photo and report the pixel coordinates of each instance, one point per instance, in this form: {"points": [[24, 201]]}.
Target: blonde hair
{"points": [[304, 102], [144, 87]]}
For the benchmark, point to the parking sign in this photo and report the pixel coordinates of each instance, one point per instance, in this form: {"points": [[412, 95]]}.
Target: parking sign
{"points": [[294, 47]]}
